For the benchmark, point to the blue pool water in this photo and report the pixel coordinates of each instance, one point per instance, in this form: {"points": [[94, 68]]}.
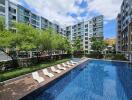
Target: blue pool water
{"points": [[93, 80]]}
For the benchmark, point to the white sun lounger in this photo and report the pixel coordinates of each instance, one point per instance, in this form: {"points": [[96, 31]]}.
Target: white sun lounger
{"points": [[66, 65], [36, 77], [73, 62], [46, 72], [60, 67], [53, 69], [70, 63]]}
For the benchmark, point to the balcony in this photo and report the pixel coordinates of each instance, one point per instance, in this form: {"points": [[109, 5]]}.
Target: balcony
{"points": [[2, 2], [2, 9], [35, 17]]}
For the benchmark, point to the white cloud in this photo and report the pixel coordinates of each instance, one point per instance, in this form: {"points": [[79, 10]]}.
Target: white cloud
{"points": [[108, 8], [105, 22], [57, 10], [16, 2]]}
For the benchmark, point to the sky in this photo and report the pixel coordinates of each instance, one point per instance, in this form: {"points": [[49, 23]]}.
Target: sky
{"points": [[69, 12]]}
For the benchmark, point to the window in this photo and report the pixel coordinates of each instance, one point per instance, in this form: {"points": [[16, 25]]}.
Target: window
{"points": [[21, 11], [33, 22], [86, 34], [12, 17], [86, 46], [86, 30], [2, 2], [2, 9], [86, 38], [33, 16], [12, 10], [86, 25], [21, 18], [86, 42], [79, 28], [86, 51]]}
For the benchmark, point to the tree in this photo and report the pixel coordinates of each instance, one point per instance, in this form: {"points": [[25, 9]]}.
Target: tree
{"points": [[45, 40], [57, 42], [63, 44], [2, 23], [26, 37], [60, 42], [6, 37], [114, 48], [77, 44], [67, 46], [98, 45], [77, 49]]}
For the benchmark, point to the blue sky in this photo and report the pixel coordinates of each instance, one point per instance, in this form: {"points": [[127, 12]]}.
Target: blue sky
{"points": [[68, 12]]}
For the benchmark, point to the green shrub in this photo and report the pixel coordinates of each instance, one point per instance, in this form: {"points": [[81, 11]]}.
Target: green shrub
{"points": [[78, 54], [21, 71], [108, 56], [96, 55], [119, 57]]}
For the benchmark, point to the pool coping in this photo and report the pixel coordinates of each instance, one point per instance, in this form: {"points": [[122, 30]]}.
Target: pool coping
{"points": [[45, 83]]}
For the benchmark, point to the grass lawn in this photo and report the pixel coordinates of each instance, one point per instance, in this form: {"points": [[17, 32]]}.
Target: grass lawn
{"points": [[21, 71]]}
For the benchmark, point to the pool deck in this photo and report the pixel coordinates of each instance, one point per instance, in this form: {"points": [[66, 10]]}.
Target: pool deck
{"points": [[20, 87]]}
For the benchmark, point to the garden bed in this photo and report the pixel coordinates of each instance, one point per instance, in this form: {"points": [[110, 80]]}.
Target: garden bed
{"points": [[21, 71]]}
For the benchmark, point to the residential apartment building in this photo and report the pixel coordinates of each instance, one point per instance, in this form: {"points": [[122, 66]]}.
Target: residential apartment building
{"points": [[124, 29], [15, 12], [85, 30]]}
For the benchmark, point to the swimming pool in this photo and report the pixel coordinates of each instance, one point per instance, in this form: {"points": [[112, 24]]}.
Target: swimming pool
{"points": [[93, 80]]}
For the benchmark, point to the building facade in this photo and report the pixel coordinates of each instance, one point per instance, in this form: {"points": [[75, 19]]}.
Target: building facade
{"points": [[124, 29], [85, 30], [15, 12]]}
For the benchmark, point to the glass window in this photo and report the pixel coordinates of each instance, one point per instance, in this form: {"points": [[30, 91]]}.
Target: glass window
{"points": [[86, 30], [12, 17], [2, 2], [86, 38], [86, 25], [86, 46], [12, 10], [21, 11], [86, 34], [2, 9], [86, 42]]}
